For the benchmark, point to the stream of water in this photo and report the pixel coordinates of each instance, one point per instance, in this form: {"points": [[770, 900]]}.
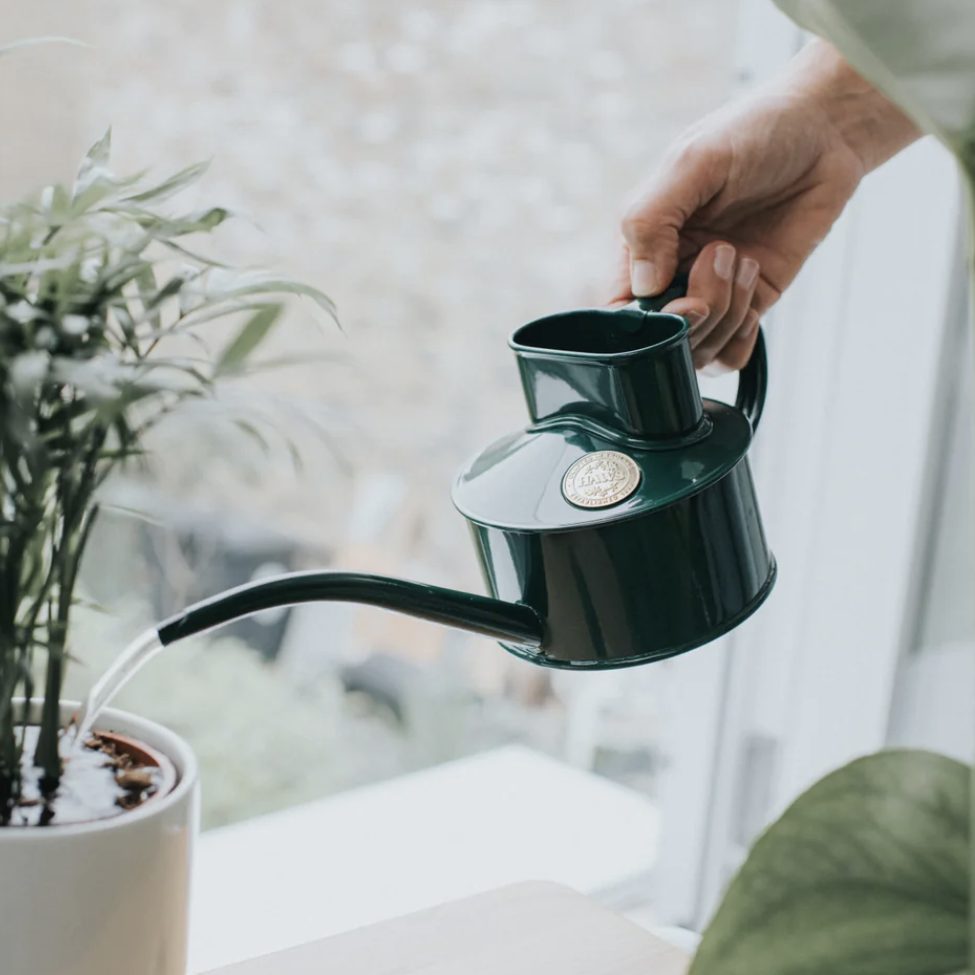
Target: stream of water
{"points": [[131, 660]]}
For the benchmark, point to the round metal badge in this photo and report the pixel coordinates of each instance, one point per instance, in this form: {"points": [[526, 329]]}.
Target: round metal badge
{"points": [[600, 479]]}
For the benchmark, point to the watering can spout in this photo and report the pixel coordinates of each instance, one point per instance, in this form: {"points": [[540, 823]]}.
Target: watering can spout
{"points": [[508, 621], [512, 622]]}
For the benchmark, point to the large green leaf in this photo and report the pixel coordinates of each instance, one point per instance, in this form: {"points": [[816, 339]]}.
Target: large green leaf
{"points": [[865, 874]]}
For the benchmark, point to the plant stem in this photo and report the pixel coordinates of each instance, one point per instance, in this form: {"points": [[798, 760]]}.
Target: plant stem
{"points": [[74, 492], [46, 755], [9, 765]]}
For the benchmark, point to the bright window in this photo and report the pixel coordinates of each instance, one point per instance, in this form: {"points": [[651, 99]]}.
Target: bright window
{"points": [[445, 171]]}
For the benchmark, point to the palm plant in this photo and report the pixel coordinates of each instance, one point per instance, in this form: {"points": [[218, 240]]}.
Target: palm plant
{"points": [[104, 318]]}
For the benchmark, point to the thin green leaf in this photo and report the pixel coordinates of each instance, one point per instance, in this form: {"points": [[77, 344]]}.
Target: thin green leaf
{"points": [[290, 361], [202, 222], [38, 266], [253, 432], [170, 288], [94, 181], [250, 336], [159, 227], [148, 295], [170, 187], [37, 41], [129, 512], [260, 285], [200, 315], [98, 155], [184, 251]]}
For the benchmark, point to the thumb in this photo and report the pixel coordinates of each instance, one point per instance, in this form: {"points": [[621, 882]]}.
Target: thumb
{"points": [[653, 223]]}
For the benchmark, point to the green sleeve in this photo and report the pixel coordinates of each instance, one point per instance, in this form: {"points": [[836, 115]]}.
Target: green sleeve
{"points": [[920, 53]]}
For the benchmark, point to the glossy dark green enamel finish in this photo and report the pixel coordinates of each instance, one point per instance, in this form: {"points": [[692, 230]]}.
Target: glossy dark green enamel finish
{"points": [[593, 364], [469, 611], [641, 589], [677, 563]]}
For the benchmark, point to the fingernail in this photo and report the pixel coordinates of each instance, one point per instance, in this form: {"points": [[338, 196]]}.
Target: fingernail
{"points": [[724, 261], [695, 316], [747, 272], [643, 278], [715, 369], [751, 327]]}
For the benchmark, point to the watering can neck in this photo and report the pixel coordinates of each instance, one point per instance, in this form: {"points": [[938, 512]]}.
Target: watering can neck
{"points": [[629, 370]]}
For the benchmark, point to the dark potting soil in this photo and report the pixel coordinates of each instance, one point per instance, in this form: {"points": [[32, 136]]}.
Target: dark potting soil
{"points": [[100, 781]]}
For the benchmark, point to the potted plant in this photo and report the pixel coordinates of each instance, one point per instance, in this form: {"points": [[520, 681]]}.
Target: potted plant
{"points": [[106, 315]]}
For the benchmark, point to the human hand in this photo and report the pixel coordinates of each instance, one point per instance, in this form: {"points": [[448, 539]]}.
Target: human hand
{"points": [[745, 196]]}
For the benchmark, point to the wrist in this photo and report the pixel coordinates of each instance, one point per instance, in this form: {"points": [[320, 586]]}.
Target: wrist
{"points": [[871, 125]]}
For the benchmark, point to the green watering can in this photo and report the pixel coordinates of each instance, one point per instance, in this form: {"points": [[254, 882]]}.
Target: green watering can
{"points": [[619, 528]]}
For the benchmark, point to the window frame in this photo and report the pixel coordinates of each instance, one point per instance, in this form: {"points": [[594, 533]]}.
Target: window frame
{"points": [[843, 469]]}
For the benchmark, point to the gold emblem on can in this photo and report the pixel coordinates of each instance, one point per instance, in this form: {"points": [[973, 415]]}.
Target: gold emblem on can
{"points": [[600, 479]]}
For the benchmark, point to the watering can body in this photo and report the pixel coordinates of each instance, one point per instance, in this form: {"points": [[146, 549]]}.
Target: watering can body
{"points": [[625, 514]]}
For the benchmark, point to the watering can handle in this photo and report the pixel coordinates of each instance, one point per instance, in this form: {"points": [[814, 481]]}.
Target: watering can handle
{"points": [[752, 379]]}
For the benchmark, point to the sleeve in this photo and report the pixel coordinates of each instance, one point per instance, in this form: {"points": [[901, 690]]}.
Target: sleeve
{"points": [[919, 53]]}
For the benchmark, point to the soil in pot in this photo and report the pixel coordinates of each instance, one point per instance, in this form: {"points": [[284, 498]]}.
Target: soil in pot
{"points": [[110, 775]]}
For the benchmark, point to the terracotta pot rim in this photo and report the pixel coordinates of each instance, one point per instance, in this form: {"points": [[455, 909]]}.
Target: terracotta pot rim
{"points": [[150, 737]]}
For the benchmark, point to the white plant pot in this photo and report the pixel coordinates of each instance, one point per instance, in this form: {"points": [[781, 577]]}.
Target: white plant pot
{"points": [[109, 897]]}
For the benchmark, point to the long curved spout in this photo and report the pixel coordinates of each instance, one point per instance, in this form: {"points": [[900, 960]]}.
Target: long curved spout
{"points": [[512, 622]]}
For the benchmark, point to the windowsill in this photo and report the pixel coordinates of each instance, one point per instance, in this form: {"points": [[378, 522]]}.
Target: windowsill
{"points": [[437, 835]]}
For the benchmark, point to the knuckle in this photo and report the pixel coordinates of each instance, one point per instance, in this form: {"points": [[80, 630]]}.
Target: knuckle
{"points": [[737, 352], [703, 356], [637, 224], [734, 356], [736, 318], [723, 306], [687, 151]]}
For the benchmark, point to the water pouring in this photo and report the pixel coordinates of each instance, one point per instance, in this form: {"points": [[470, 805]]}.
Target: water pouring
{"points": [[620, 527]]}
